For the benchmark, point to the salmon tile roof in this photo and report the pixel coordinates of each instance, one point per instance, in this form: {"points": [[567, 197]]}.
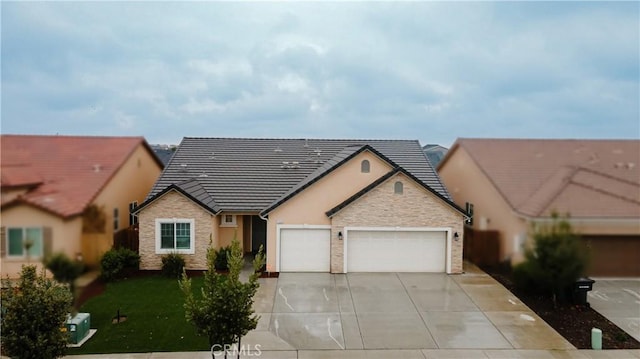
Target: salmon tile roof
{"points": [[585, 178], [62, 174]]}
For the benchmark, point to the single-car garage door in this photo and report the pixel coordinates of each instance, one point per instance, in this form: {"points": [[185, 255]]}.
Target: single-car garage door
{"points": [[396, 251], [304, 250]]}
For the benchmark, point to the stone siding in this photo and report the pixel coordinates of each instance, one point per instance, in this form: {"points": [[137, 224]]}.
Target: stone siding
{"points": [[381, 207], [174, 205]]}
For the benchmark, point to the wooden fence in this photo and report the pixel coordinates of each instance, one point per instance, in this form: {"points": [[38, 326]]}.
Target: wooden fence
{"points": [[127, 238], [481, 247]]}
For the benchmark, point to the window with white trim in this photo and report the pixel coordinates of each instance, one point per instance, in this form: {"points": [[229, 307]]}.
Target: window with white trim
{"points": [[133, 218], [175, 235], [228, 220], [24, 241], [116, 219]]}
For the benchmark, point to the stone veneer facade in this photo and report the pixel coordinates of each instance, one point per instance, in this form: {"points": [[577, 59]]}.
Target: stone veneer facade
{"points": [[174, 205], [381, 207]]}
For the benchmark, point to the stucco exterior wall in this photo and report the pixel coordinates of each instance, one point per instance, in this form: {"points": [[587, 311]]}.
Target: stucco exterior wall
{"points": [[227, 233], [466, 182], [175, 205], [310, 205], [65, 234], [381, 207], [132, 182]]}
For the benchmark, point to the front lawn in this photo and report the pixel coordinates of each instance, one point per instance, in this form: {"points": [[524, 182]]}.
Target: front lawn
{"points": [[155, 318]]}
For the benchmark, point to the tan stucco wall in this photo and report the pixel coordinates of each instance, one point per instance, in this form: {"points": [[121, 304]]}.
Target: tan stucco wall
{"points": [[226, 234], [175, 205], [310, 206], [132, 182], [65, 234], [381, 207], [467, 183]]}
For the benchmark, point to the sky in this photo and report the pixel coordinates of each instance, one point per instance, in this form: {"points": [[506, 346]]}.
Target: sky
{"points": [[431, 71]]}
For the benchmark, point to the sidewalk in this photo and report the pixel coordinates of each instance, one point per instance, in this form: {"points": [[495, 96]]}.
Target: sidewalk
{"points": [[392, 354]]}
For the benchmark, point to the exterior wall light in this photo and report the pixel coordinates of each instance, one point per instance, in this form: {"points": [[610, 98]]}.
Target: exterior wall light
{"points": [[340, 236], [456, 236]]}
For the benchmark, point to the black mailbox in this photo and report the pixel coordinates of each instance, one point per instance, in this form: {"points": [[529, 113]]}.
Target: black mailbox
{"points": [[580, 289]]}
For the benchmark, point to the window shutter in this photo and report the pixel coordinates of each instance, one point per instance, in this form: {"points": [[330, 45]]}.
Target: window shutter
{"points": [[3, 241], [47, 238]]}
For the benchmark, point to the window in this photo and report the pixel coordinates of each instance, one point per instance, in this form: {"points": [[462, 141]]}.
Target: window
{"points": [[175, 236], [228, 220], [398, 188], [365, 166], [20, 238], [133, 218], [116, 219], [469, 210]]}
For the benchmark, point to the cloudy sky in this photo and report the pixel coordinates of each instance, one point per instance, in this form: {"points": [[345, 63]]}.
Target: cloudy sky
{"points": [[432, 71]]}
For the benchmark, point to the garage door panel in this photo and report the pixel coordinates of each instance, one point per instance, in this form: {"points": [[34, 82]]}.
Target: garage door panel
{"points": [[396, 251], [304, 250], [613, 256]]}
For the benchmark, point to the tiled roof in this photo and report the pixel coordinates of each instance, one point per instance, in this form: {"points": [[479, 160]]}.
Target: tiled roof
{"points": [[63, 173], [586, 178], [243, 174]]}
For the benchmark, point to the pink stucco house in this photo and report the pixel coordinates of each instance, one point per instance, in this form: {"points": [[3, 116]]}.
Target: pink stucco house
{"points": [[315, 205], [54, 188], [514, 184]]}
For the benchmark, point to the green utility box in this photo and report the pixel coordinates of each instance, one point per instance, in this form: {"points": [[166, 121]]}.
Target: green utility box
{"points": [[78, 327]]}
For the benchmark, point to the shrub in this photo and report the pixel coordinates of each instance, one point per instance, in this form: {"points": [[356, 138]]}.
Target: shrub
{"points": [[222, 256], [114, 262], [555, 262], [64, 269], [33, 311], [172, 265]]}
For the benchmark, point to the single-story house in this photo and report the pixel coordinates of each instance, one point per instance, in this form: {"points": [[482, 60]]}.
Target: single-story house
{"points": [[511, 184], [69, 194], [314, 205]]}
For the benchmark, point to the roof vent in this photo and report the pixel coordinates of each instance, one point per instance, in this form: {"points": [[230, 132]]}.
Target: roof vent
{"points": [[183, 165], [97, 168], [617, 151], [630, 165], [203, 174], [213, 156], [277, 149], [306, 143], [287, 164]]}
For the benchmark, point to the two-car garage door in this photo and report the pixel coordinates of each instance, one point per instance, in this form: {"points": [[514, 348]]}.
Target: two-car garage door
{"points": [[396, 251], [393, 250]]}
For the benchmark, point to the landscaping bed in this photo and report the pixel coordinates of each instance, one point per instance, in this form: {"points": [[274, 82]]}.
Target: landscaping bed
{"points": [[573, 322]]}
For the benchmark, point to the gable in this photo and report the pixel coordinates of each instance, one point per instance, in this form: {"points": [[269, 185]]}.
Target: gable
{"points": [[415, 206], [310, 205]]}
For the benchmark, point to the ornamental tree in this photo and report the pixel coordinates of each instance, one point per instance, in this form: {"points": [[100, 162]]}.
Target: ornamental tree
{"points": [[34, 312], [224, 310], [554, 262]]}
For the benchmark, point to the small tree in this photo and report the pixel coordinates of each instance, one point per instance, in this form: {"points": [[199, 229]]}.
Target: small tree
{"points": [[64, 270], [224, 313], [556, 260], [33, 316]]}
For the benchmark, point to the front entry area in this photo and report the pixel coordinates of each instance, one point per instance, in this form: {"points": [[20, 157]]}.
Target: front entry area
{"points": [[391, 250], [304, 250]]}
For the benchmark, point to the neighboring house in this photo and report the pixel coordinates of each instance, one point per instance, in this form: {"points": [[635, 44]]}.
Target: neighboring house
{"points": [[435, 153], [511, 184], [163, 152], [315, 205], [69, 194]]}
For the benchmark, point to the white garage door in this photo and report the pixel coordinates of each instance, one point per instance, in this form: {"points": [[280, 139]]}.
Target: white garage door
{"points": [[396, 251], [304, 250]]}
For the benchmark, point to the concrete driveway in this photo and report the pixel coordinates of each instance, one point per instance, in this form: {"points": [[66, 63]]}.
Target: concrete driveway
{"points": [[619, 301], [312, 311]]}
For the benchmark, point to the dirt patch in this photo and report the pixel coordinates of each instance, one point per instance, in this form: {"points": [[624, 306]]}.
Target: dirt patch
{"points": [[573, 322]]}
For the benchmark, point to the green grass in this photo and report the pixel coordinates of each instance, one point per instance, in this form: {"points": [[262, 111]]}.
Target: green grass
{"points": [[155, 318]]}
